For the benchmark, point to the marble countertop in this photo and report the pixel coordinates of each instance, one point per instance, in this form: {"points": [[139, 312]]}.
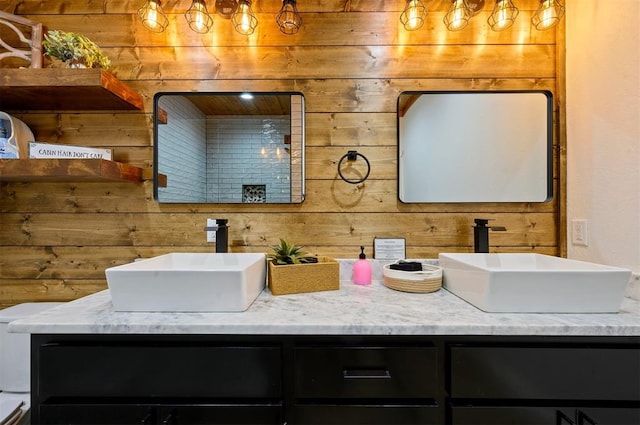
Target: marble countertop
{"points": [[352, 310]]}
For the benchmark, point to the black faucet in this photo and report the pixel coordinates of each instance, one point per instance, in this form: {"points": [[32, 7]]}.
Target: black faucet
{"points": [[481, 235], [222, 234]]}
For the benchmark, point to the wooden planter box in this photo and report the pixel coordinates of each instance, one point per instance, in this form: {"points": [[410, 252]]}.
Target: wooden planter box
{"points": [[297, 278]]}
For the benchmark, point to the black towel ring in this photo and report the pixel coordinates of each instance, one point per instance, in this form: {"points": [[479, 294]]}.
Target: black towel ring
{"points": [[352, 156]]}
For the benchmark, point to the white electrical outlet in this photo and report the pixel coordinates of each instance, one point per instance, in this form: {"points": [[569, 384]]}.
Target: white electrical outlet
{"points": [[580, 232], [211, 234]]}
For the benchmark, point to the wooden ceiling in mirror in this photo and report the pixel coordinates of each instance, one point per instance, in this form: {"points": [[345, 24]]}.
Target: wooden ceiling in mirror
{"points": [[225, 104]]}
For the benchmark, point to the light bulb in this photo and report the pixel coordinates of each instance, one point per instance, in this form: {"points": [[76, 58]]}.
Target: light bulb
{"points": [[458, 15], [288, 19], [198, 17], [502, 18], [503, 15], [412, 17], [244, 20], [548, 14], [152, 16]]}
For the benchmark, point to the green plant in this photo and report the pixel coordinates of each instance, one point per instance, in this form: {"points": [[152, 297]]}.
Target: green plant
{"points": [[73, 47], [287, 253]]}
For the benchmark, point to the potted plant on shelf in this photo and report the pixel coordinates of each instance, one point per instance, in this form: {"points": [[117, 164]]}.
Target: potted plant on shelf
{"points": [[292, 271], [74, 50]]}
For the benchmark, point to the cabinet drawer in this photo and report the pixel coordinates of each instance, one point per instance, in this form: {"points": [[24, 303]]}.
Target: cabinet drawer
{"points": [[89, 414], [158, 371], [560, 373], [366, 372], [537, 415], [124, 414], [609, 416], [508, 415], [366, 415]]}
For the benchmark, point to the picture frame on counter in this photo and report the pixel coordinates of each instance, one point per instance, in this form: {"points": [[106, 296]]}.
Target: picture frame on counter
{"points": [[389, 248]]}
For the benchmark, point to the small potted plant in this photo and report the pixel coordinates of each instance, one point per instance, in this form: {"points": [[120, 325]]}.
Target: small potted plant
{"points": [[74, 50], [292, 271]]}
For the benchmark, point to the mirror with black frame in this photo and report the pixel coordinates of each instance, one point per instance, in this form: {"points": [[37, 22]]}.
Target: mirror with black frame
{"points": [[229, 147], [475, 146]]}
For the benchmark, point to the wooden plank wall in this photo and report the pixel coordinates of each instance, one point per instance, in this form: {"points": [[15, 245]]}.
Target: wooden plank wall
{"points": [[351, 60]]}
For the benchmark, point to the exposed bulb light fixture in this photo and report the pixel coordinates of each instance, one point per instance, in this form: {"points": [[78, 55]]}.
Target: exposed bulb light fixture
{"points": [[503, 15], [458, 15], [412, 17], [152, 16], [288, 19], [244, 20], [198, 17], [548, 14]]}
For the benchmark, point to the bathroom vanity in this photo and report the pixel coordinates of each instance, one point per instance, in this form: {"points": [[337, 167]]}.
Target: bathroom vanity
{"points": [[359, 355]]}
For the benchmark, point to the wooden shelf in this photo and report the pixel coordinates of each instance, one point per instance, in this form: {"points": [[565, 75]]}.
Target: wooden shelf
{"points": [[59, 89], [61, 170]]}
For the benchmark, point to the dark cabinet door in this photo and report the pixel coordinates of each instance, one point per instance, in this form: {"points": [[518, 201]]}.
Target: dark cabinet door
{"points": [[543, 415], [220, 415], [520, 415], [128, 414], [95, 414], [608, 416]]}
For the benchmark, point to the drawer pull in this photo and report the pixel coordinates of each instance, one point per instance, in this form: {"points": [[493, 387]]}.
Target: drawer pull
{"points": [[366, 374]]}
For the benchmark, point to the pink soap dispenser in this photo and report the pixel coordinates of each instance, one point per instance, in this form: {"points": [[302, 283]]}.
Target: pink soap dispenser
{"points": [[362, 270]]}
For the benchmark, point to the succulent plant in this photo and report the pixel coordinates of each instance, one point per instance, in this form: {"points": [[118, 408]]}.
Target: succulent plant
{"points": [[287, 253], [71, 47]]}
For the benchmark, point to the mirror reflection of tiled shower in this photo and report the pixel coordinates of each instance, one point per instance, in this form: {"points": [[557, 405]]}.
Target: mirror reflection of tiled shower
{"points": [[213, 157]]}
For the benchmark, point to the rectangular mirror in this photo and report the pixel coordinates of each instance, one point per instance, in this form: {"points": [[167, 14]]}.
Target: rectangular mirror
{"points": [[475, 146], [229, 147]]}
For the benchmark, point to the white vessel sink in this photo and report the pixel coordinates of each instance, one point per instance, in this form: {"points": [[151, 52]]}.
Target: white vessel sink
{"points": [[533, 283], [188, 282]]}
